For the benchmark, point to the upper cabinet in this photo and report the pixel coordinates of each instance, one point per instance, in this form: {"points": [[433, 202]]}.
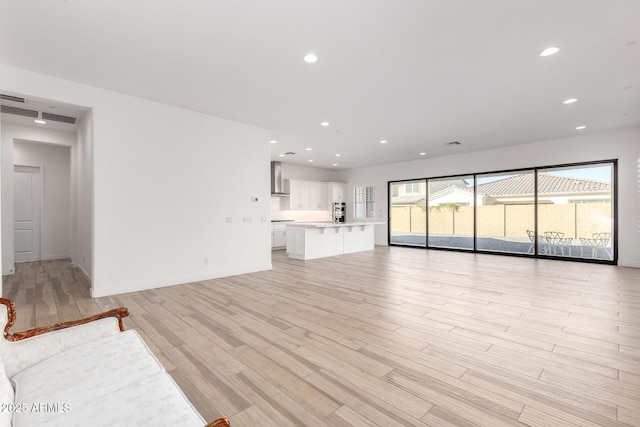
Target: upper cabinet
{"points": [[313, 195], [337, 192], [307, 195]]}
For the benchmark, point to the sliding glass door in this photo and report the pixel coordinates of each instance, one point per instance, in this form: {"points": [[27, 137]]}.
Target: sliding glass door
{"points": [[575, 211], [566, 211], [450, 216], [408, 213], [505, 204]]}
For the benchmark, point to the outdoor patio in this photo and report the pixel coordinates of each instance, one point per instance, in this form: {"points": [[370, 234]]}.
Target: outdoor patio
{"points": [[523, 246]]}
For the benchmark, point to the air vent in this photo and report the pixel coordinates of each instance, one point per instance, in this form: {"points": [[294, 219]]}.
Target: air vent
{"points": [[12, 98], [453, 143], [59, 118], [289, 153], [19, 111]]}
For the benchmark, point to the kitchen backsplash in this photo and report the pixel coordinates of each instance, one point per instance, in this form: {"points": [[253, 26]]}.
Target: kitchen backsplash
{"points": [[297, 215]]}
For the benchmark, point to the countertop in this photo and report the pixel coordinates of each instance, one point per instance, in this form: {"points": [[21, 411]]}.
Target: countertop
{"points": [[330, 224]]}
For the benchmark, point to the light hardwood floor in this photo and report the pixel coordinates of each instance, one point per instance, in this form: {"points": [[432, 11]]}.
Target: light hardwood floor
{"points": [[395, 336]]}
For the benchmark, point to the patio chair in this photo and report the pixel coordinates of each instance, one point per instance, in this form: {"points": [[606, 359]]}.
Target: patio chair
{"points": [[597, 240], [532, 239], [553, 240]]}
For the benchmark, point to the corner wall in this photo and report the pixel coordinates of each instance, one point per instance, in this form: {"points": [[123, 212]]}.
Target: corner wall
{"points": [[623, 145], [82, 197]]}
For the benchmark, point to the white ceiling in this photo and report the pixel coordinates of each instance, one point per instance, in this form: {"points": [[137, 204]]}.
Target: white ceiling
{"points": [[418, 73]]}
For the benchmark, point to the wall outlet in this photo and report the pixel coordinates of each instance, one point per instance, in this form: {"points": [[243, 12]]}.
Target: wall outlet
{"points": [[229, 220], [206, 261]]}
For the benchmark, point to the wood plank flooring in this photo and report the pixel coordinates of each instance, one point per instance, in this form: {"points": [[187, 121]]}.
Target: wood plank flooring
{"points": [[390, 337]]}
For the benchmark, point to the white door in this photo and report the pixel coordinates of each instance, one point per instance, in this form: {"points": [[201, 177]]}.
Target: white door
{"points": [[27, 183]]}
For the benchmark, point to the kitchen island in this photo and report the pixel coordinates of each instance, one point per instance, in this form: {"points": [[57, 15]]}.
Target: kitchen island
{"points": [[310, 240]]}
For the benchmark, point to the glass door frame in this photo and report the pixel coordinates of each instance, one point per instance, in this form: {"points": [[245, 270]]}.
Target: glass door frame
{"points": [[535, 254]]}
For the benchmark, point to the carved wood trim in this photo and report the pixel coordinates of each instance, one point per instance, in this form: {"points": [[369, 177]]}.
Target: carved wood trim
{"points": [[118, 313], [220, 422]]}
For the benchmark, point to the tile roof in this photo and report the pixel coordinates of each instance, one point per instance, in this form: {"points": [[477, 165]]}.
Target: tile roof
{"points": [[547, 184]]}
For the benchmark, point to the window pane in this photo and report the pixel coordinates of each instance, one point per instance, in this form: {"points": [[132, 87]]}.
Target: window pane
{"points": [[409, 213], [575, 212], [451, 212], [506, 212], [364, 202]]}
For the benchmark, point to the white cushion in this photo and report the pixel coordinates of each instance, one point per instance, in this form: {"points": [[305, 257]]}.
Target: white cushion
{"points": [[22, 354], [154, 401], [83, 374], [7, 399]]}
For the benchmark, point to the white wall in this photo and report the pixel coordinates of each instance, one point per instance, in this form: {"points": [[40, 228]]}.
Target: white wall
{"points": [[56, 167], [10, 132], [623, 145], [307, 174], [166, 183], [82, 197]]}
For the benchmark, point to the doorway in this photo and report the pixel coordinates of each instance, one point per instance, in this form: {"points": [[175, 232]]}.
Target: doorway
{"points": [[27, 226]]}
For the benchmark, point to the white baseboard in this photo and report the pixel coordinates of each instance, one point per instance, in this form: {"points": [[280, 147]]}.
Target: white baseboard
{"points": [[54, 257], [628, 263], [135, 287], [82, 272]]}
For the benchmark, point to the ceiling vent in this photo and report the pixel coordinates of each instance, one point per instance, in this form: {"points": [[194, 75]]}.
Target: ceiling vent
{"points": [[12, 98], [289, 153], [59, 118], [19, 111], [453, 143]]}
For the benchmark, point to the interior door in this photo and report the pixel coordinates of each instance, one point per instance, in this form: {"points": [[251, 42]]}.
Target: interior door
{"points": [[27, 183]]}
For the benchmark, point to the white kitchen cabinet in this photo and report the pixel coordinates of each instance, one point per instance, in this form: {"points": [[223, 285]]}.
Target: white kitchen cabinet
{"points": [[337, 192], [318, 196], [307, 195], [296, 195], [278, 236]]}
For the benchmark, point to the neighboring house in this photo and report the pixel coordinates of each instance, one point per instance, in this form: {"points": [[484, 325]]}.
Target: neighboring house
{"points": [[554, 189], [414, 193], [517, 189]]}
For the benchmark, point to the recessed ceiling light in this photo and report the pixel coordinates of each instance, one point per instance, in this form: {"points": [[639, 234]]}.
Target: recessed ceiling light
{"points": [[281, 155], [324, 124], [310, 58], [581, 127], [40, 121], [423, 154], [338, 155], [335, 164], [273, 141], [309, 148], [569, 101], [310, 160], [384, 141], [549, 51]]}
